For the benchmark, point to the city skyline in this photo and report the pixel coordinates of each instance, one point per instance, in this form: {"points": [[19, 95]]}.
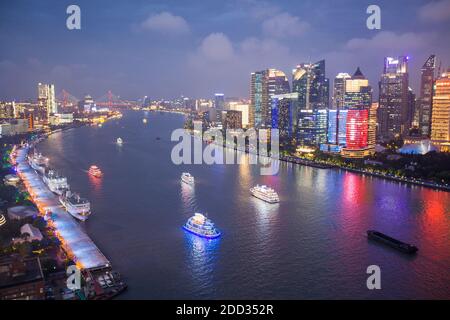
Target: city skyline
{"points": [[200, 50]]}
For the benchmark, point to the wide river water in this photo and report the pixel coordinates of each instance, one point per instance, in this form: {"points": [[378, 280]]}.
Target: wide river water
{"points": [[310, 245]]}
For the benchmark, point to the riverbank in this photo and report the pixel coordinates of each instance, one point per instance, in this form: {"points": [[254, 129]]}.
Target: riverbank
{"points": [[325, 165]]}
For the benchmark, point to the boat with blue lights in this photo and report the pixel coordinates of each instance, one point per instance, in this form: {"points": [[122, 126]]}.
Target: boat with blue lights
{"points": [[201, 226]]}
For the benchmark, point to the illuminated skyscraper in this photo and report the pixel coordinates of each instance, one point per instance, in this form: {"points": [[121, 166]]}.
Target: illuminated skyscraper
{"points": [[264, 85], [425, 102], [357, 134], [284, 114], [372, 134], [339, 90], [358, 93], [309, 81], [219, 106], [440, 120], [46, 99], [393, 112]]}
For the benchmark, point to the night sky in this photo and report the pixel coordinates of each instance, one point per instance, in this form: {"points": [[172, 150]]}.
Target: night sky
{"points": [[195, 48]]}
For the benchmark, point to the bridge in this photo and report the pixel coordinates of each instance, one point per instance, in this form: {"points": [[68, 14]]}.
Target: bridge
{"points": [[109, 100]]}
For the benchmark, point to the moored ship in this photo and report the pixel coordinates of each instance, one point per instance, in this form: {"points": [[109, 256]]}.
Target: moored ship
{"points": [[186, 177], [95, 171], [265, 193], [38, 162], [55, 182], [201, 226], [393, 243], [79, 208]]}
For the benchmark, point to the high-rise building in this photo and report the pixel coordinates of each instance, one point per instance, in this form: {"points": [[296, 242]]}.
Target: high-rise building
{"points": [[425, 101], [232, 119], [284, 114], [393, 112], [339, 90], [337, 126], [372, 134], [219, 106], [264, 85], [244, 109], [357, 134], [440, 117], [46, 99], [309, 81], [358, 93]]}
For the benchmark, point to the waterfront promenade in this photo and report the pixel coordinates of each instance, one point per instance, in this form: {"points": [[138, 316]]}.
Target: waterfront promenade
{"points": [[74, 240]]}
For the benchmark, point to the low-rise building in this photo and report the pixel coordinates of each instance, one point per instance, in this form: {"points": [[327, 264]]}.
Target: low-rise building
{"points": [[21, 279]]}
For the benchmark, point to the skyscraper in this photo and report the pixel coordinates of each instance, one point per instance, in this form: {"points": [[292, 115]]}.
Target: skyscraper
{"points": [[309, 81], [46, 99], [393, 112], [440, 117], [219, 106], [358, 93], [284, 114], [425, 102], [264, 85], [339, 90]]}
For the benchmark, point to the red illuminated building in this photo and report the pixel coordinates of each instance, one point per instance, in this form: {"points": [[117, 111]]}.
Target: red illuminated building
{"points": [[357, 134]]}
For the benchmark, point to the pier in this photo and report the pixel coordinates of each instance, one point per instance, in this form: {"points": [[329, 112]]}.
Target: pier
{"points": [[75, 242]]}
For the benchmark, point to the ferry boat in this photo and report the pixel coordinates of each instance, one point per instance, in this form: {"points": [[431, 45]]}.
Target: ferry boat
{"points": [[119, 141], [265, 193], [38, 162], [393, 243], [55, 182], [78, 207], [186, 177], [201, 226], [95, 171]]}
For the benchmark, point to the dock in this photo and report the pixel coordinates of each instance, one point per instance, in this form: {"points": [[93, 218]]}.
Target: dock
{"points": [[75, 242]]}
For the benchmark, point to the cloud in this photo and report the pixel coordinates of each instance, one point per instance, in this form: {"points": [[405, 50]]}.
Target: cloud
{"points": [[390, 41], [166, 23], [436, 11], [221, 64], [216, 47], [284, 25]]}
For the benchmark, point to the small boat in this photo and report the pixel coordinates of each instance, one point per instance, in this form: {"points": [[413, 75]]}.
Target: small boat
{"points": [[95, 171], [186, 177], [119, 141], [201, 226], [393, 243], [144, 120]]}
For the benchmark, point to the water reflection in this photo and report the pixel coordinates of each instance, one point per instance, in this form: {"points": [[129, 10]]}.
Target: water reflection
{"points": [[201, 261], [188, 197]]}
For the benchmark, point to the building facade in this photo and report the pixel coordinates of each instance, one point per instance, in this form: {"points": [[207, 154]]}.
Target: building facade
{"points": [[393, 112], [440, 120], [425, 102], [312, 87], [265, 84], [47, 100]]}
